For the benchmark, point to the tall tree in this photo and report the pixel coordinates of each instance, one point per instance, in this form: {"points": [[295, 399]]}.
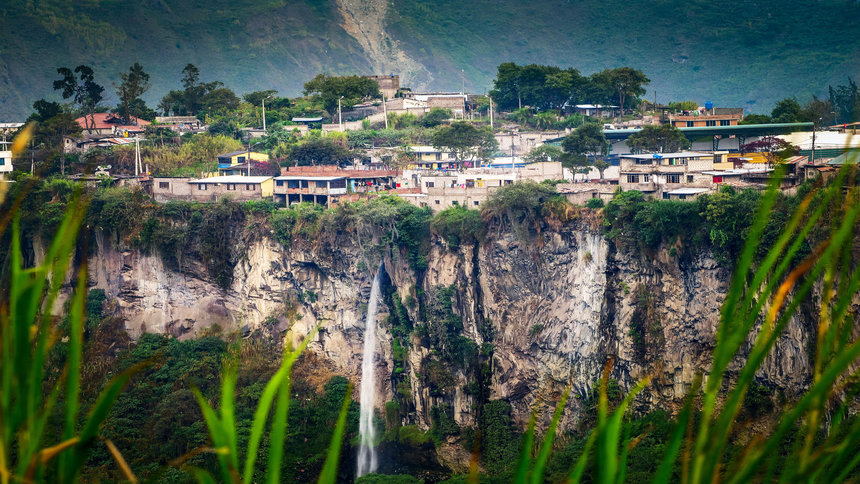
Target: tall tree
{"points": [[658, 138], [465, 141], [846, 101], [787, 110], [85, 92], [627, 82], [585, 140], [819, 111], [772, 148], [133, 84]]}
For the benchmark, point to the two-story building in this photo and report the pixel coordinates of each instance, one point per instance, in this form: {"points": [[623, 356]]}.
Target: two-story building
{"points": [[239, 188], [707, 117], [228, 160], [5, 162], [326, 185], [658, 173]]}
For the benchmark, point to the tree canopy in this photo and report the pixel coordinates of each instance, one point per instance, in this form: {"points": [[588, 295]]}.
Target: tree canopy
{"points": [[465, 141], [133, 84], [353, 90], [658, 138], [82, 89], [320, 151], [587, 139]]}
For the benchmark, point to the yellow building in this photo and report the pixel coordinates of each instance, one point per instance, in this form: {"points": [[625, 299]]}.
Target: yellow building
{"points": [[238, 157]]}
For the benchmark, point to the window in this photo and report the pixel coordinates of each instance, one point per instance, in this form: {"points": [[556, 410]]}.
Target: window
{"points": [[665, 195], [250, 186], [201, 187], [231, 186], [673, 178], [644, 161], [682, 197], [437, 202], [711, 123], [240, 159], [164, 185], [646, 178], [689, 178], [2, 161], [725, 122], [279, 183], [690, 124], [718, 179], [477, 203], [455, 202], [430, 184], [632, 178]]}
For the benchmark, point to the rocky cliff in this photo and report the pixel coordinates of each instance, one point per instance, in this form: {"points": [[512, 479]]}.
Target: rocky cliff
{"points": [[519, 319]]}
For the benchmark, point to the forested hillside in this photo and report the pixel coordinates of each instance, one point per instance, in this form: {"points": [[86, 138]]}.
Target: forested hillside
{"points": [[745, 53]]}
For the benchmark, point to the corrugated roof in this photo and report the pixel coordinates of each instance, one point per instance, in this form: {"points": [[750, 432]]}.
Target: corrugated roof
{"points": [[687, 191], [309, 177], [233, 179]]}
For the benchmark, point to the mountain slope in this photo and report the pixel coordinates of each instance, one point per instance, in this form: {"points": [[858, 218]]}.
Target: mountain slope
{"points": [[746, 53]]}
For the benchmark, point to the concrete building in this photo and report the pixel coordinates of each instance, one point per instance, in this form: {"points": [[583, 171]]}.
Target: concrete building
{"points": [[656, 173], [580, 193], [5, 162], [239, 157], [388, 85], [240, 188], [326, 185]]}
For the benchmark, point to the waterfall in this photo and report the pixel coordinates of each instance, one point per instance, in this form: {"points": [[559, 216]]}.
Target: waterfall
{"points": [[366, 452]]}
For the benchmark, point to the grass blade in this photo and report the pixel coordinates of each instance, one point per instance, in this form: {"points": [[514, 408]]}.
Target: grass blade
{"points": [[329, 472]]}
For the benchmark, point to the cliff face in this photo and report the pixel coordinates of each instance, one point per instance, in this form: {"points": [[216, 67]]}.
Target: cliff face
{"points": [[544, 313]]}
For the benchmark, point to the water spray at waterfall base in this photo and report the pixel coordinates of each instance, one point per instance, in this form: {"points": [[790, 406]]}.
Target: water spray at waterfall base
{"points": [[367, 462]]}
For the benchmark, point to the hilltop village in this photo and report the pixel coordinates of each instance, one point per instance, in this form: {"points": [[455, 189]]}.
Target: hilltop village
{"points": [[353, 137]]}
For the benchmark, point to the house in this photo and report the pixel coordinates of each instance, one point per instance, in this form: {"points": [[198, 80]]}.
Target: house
{"points": [[233, 158], [240, 188], [388, 85], [89, 141], [110, 124], [595, 110], [163, 189], [5, 163], [706, 117], [656, 173], [581, 193], [325, 185]]}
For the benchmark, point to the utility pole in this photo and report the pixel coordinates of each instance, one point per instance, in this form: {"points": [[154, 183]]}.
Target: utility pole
{"points": [[137, 164], [385, 110], [491, 113], [339, 116], [264, 115]]}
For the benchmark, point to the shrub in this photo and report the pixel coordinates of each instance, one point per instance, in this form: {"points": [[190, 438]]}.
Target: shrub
{"points": [[594, 203], [459, 225]]}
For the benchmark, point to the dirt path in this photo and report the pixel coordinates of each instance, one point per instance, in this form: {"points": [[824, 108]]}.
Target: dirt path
{"points": [[365, 20]]}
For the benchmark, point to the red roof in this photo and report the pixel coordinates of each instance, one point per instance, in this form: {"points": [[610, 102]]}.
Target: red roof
{"points": [[108, 121]]}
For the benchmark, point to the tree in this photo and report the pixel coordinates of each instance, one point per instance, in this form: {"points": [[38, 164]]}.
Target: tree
{"points": [[539, 86], [683, 106], [787, 111], [349, 89], [627, 82], [465, 141], [775, 150], [820, 112], [544, 153], [133, 84], [435, 117], [84, 91], [846, 102], [755, 119], [321, 151], [219, 100], [662, 138], [256, 98], [587, 139]]}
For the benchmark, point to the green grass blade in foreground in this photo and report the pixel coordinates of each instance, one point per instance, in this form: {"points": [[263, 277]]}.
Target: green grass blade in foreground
{"points": [[546, 446], [73, 368], [217, 433], [521, 474], [277, 435], [329, 472], [582, 461], [265, 404]]}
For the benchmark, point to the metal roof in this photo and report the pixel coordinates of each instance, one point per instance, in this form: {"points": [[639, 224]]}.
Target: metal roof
{"points": [[660, 156], [309, 177], [254, 180], [307, 120], [687, 191]]}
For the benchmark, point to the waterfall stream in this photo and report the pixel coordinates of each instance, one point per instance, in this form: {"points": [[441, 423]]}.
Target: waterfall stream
{"points": [[367, 452]]}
